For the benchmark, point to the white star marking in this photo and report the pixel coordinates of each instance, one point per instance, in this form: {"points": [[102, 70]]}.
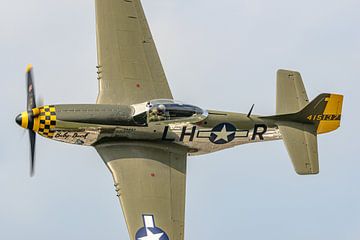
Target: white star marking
{"points": [[149, 223], [223, 134], [151, 236]]}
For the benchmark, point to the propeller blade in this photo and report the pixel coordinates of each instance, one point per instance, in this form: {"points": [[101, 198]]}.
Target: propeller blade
{"points": [[31, 104], [32, 137], [30, 88]]}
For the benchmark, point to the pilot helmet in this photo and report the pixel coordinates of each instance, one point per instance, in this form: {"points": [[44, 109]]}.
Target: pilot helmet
{"points": [[161, 108]]}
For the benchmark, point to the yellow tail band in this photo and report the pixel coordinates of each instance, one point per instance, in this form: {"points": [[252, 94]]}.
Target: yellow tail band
{"points": [[332, 114]]}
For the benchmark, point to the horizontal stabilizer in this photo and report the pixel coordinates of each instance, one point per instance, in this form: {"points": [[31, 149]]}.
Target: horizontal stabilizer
{"points": [[301, 143], [300, 121], [291, 95]]}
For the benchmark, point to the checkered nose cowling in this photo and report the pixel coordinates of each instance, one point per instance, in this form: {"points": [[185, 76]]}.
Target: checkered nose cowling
{"points": [[46, 121]]}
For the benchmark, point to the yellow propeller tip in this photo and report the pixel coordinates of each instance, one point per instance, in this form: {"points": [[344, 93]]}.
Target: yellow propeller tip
{"points": [[29, 67]]}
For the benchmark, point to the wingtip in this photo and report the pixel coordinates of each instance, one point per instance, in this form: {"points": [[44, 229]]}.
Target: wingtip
{"points": [[29, 67]]}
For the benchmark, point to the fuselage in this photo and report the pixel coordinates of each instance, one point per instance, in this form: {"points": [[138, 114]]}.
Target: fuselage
{"points": [[157, 121]]}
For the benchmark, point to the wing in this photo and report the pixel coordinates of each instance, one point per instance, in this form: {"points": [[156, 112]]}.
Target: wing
{"points": [[150, 180], [129, 66]]}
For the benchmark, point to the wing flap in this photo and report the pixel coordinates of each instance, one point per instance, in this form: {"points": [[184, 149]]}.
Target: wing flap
{"points": [[150, 181]]}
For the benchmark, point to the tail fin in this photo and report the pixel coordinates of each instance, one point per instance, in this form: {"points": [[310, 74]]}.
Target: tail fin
{"points": [[300, 121], [324, 112], [292, 104]]}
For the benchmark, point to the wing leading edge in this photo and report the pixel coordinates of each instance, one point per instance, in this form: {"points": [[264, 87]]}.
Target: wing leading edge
{"points": [[150, 180], [129, 68]]}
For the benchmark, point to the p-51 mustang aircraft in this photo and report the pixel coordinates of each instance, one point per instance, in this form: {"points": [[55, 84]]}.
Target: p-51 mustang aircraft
{"points": [[144, 136]]}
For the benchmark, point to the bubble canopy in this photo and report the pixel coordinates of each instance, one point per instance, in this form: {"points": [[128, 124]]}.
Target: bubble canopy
{"points": [[167, 110]]}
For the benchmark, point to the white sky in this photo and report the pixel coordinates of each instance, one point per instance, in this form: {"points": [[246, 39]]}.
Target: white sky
{"points": [[219, 55]]}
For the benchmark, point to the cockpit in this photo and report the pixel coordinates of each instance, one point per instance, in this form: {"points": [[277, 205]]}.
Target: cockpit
{"points": [[167, 111]]}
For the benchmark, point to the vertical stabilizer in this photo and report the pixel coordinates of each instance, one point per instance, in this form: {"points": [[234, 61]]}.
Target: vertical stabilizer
{"points": [[325, 113], [300, 121]]}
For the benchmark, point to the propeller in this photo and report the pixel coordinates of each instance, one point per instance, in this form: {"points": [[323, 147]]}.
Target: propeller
{"points": [[27, 119], [31, 104]]}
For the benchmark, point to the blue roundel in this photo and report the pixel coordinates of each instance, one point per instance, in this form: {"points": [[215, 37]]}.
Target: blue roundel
{"points": [[223, 133], [150, 231]]}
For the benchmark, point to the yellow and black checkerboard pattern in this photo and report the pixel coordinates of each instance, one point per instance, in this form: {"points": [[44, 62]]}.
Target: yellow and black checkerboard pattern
{"points": [[47, 121]]}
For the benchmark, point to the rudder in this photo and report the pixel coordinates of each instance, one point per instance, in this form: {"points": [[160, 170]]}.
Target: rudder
{"points": [[324, 112]]}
